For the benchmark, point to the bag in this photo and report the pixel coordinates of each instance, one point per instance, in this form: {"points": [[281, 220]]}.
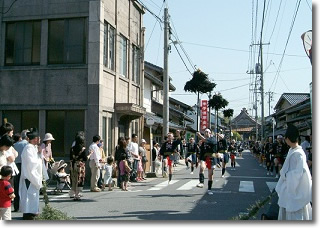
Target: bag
{"points": [[144, 159]]}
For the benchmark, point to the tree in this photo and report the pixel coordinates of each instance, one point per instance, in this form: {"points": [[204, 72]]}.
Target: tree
{"points": [[236, 136], [228, 113], [200, 83], [217, 102]]}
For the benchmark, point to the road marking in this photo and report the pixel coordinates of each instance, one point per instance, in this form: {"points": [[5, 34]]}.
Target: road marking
{"points": [[189, 185], [271, 185], [246, 186], [161, 185], [250, 177]]}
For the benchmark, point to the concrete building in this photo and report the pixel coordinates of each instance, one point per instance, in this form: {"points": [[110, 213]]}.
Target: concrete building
{"points": [[71, 65]]}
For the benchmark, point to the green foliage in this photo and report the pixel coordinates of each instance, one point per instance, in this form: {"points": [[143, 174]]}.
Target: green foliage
{"points": [[254, 209], [227, 113], [218, 102], [236, 136], [50, 213], [199, 83]]}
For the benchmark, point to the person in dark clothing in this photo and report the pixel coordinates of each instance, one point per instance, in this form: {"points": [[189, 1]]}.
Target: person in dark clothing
{"points": [[192, 149], [167, 151], [222, 149], [269, 156], [280, 149], [208, 153], [120, 149]]}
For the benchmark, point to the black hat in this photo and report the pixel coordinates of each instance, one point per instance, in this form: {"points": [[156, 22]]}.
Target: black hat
{"points": [[292, 133], [33, 133]]}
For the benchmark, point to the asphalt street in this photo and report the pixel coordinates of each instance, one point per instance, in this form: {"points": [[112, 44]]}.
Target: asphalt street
{"points": [[155, 199]]}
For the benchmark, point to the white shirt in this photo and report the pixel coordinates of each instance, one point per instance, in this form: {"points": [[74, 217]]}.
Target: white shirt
{"points": [[13, 165], [305, 144], [96, 155], [134, 150]]}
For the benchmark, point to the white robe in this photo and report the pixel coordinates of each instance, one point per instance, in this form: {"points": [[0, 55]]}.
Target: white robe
{"points": [[31, 169], [294, 187]]}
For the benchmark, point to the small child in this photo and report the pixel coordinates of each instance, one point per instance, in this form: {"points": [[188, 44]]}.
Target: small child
{"points": [[63, 177], [124, 172], [6, 193], [108, 174]]}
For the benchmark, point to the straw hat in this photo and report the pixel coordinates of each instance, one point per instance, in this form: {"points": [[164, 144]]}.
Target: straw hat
{"points": [[48, 136]]}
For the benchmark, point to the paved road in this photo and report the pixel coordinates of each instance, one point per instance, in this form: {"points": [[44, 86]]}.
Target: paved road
{"points": [[154, 199]]}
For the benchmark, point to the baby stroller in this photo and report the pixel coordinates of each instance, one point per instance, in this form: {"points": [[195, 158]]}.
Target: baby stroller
{"points": [[62, 179]]}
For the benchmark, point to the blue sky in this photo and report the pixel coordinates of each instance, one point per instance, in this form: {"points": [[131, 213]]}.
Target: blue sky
{"points": [[216, 36]]}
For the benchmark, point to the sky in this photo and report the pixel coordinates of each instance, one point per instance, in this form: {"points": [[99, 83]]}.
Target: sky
{"points": [[216, 37]]}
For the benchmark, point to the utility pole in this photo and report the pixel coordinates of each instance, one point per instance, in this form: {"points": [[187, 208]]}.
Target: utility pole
{"points": [[165, 129], [270, 94]]}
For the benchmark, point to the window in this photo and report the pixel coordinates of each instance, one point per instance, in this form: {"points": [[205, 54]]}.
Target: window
{"points": [[63, 125], [67, 41], [23, 43], [22, 119], [107, 133], [108, 49], [135, 64], [123, 56]]}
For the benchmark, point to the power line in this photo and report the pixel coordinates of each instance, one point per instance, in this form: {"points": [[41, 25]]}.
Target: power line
{"points": [[239, 50], [9, 7], [309, 5]]}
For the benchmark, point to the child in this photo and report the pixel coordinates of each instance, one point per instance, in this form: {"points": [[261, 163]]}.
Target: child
{"points": [[140, 168], [124, 172], [63, 177], [6, 193], [108, 174]]}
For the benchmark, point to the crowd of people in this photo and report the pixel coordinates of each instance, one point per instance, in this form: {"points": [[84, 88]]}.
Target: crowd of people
{"points": [[25, 161]]}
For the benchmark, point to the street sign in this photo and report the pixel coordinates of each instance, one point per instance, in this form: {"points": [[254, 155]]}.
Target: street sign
{"points": [[150, 121]]}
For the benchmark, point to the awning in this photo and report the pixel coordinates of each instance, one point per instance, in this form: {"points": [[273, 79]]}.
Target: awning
{"points": [[129, 111]]}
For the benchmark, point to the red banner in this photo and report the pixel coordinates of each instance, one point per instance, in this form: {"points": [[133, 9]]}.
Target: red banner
{"points": [[204, 118]]}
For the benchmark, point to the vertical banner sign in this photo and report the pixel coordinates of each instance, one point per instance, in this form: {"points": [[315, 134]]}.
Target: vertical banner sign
{"points": [[204, 115]]}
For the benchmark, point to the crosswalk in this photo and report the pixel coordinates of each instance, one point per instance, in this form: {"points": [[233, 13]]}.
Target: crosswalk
{"points": [[183, 185]]}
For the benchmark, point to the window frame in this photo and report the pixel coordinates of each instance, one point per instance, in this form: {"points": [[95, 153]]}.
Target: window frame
{"points": [[109, 46], [123, 56]]}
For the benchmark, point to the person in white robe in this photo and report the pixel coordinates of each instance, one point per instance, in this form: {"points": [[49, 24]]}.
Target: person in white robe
{"points": [[31, 177], [294, 187]]}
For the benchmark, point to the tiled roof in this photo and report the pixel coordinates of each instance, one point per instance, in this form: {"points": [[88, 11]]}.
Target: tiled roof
{"points": [[292, 98], [295, 98]]}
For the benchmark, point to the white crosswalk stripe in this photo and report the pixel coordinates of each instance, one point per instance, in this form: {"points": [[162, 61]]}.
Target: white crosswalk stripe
{"points": [[189, 185], [271, 185], [162, 185], [246, 186]]}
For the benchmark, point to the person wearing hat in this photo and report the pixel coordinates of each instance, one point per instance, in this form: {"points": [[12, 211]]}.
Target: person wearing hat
{"points": [[31, 176], [280, 152], [45, 148], [207, 158], [294, 187]]}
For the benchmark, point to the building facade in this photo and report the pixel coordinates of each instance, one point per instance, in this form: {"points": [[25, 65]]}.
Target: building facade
{"points": [[72, 65]]}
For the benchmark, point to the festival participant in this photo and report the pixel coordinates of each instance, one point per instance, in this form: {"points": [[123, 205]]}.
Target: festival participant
{"points": [[233, 150], [167, 151], [32, 174], [207, 158], [281, 149], [192, 151], [222, 150], [294, 187]]}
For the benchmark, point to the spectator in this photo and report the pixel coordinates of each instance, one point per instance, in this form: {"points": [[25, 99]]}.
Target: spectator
{"points": [[305, 144], [5, 143], [155, 154], [133, 148], [6, 193], [94, 164], [294, 187], [77, 166], [120, 148], [103, 160], [31, 177], [18, 146], [144, 160], [46, 149], [107, 180], [124, 172]]}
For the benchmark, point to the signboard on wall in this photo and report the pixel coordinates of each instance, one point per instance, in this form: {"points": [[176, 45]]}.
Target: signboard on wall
{"points": [[204, 118]]}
